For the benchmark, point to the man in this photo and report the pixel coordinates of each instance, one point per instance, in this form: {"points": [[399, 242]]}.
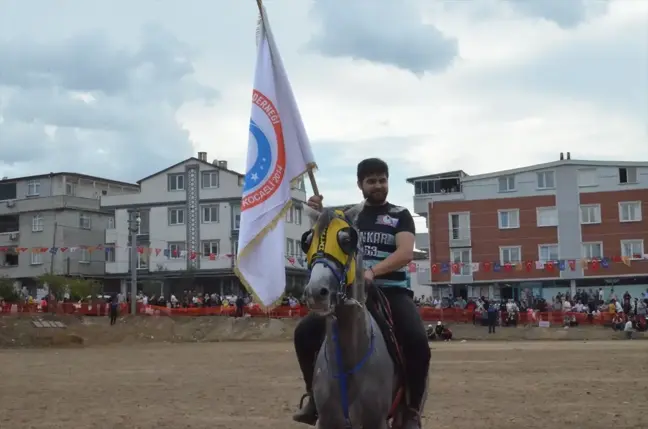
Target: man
{"points": [[114, 309], [492, 316], [388, 238]]}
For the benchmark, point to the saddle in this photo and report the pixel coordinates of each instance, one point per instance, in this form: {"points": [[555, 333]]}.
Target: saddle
{"points": [[378, 306]]}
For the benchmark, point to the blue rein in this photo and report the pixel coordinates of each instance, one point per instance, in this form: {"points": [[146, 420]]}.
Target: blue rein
{"points": [[343, 376]]}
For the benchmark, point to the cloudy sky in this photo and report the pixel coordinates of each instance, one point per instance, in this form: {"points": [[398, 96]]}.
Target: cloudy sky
{"points": [[125, 88]]}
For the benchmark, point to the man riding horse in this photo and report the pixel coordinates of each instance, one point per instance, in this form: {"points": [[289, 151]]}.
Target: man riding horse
{"points": [[387, 233]]}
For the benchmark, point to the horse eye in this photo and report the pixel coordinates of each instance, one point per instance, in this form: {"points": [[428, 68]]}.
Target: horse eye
{"points": [[344, 237]]}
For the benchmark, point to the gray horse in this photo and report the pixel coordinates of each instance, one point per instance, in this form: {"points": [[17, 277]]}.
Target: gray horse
{"points": [[355, 380]]}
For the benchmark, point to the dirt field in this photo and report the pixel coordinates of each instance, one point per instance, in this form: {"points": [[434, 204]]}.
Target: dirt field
{"points": [[234, 385]]}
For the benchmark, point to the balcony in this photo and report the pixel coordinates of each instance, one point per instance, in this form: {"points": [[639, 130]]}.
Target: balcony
{"points": [[47, 203], [9, 239], [112, 236], [421, 202]]}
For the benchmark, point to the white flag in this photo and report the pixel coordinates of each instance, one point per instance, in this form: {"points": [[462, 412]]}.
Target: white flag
{"points": [[278, 152]]}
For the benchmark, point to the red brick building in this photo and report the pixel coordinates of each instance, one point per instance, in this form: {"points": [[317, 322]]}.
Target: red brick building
{"points": [[564, 224]]}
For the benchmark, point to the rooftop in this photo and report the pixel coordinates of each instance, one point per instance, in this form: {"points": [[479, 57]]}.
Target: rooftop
{"points": [[547, 165], [66, 173]]}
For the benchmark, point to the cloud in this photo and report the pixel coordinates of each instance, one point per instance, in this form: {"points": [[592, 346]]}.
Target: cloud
{"points": [[383, 32], [111, 107], [604, 62], [123, 89], [565, 13]]}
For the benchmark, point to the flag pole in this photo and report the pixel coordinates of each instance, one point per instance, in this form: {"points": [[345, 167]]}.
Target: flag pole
{"points": [[311, 167]]}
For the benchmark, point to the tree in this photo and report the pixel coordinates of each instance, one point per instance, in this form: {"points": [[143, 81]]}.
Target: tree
{"points": [[8, 291], [57, 285], [80, 288]]}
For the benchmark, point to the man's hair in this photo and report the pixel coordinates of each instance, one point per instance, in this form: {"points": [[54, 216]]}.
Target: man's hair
{"points": [[372, 166]]}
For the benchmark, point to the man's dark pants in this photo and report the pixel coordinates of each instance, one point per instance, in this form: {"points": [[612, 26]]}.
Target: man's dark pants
{"points": [[492, 321], [113, 314], [409, 332]]}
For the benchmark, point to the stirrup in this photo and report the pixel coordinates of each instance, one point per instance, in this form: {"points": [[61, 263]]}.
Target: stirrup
{"points": [[301, 401]]}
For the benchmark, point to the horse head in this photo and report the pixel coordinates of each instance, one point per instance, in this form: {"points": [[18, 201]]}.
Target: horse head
{"points": [[333, 250]]}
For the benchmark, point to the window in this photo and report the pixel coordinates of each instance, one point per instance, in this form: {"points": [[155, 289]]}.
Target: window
{"points": [[510, 254], [33, 188], [142, 260], [36, 258], [235, 247], [176, 216], [442, 185], [548, 252], [587, 177], [177, 250], [546, 180], [7, 191], [84, 221], [209, 179], [459, 226], [592, 250], [176, 182], [111, 222], [547, 216], [210, 248], [110, 254], [210, 214], [633, 249], [628, 175], [298, 215], [509, 219], [507, 183], [290, 214], [630, 211], [236, 217], [38, 224], [290, 247], [463, 257], [590, 213], [84, 256], [70, 189]]}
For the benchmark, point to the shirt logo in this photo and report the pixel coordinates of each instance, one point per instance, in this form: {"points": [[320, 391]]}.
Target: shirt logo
{"points": [[387, 220]]}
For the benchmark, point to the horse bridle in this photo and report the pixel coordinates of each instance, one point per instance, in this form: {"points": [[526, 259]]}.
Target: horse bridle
{"points": [[340, 270]]}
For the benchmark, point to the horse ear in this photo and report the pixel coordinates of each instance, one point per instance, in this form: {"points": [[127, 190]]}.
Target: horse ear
{"points": [[353, 213], [312, 214]]}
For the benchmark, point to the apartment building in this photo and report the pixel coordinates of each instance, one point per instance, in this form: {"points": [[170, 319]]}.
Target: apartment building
{"points": [[189, 218], [52, 222], [562, 225]]}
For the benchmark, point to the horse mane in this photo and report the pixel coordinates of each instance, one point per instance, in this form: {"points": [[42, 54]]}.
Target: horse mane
{"points": [[324, 219]]}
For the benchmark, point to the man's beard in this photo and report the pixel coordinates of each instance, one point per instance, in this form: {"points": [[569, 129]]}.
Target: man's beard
{"points": [[375, 198]]}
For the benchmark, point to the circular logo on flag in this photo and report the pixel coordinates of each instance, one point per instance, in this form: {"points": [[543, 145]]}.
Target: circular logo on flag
{"points": [[266, 173]]}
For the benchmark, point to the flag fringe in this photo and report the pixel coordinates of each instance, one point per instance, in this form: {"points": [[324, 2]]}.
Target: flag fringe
{"points": [[253, 243]]}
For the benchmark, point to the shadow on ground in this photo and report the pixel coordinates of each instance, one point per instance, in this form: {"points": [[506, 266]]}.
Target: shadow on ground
{"points": [[19, 331]]}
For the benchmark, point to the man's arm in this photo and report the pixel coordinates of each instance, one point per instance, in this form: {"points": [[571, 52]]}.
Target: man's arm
{"points": [[405, 233]]}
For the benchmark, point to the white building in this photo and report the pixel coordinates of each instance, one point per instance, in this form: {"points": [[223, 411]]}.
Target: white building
{"points": [[188, 233], [52, 223]]}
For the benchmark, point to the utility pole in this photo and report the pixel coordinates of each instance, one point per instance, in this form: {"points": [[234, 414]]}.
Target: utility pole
{"points": [[53, 246], [133, 228]]}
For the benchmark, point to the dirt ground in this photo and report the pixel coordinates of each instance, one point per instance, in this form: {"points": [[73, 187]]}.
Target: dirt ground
{"points": [[256, 384]]}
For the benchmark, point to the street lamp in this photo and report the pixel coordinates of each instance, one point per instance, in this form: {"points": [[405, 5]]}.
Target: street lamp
{"points": [[134, 221]]}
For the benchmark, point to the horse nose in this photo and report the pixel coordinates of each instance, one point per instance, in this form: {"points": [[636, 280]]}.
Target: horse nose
{"points": [[323, 292]]}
